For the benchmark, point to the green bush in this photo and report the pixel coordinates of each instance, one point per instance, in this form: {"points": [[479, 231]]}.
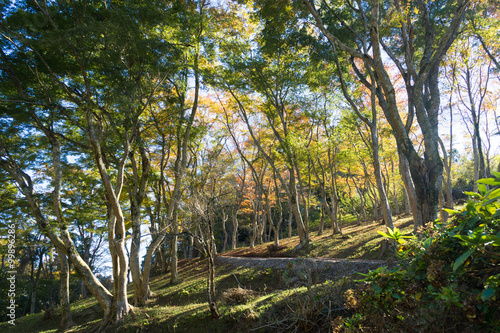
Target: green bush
{"points": [[447, 279]]}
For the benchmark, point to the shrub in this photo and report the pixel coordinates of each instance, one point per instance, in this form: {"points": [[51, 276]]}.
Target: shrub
{"points": [[447, 279]]}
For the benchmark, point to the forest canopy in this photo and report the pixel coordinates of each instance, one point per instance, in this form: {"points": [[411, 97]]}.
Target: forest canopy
{"points": [[131, 132]]}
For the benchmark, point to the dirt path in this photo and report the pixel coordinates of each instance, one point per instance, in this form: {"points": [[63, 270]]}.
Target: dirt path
{"points": [[332, 267]]}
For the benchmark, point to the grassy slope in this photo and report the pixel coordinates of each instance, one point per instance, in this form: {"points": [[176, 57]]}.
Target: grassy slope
{"points": [[275, 304], [356, 242]]}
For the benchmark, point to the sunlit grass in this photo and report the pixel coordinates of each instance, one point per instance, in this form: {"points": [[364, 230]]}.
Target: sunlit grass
{"points": [[355, 242], [182, 307]]}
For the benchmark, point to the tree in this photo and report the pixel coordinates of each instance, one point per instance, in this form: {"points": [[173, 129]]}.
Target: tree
{"points": [[373, 142], [471, 71], [274, 79], [367, 30], [81, 70]]}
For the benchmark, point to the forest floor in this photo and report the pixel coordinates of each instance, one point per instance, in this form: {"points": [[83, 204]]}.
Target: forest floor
{"points": [[355, 242], [259, 290]]}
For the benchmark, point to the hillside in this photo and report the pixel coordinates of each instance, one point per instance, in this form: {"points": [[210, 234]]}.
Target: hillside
{"points": [[272, 299]]}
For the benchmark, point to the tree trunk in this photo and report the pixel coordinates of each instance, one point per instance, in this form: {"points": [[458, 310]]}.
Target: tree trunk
{"points": [[322, 219], [449, 199], [254, 223], [407, 201], [336, 223], [34, 281], [135, 247], [212, 301], [294, 201], [174, 249], [351, 199], [116, 226], [137, 191], [384, 202], [410, 192], [234, 218], [66, 319], [262, 226], [156, 242], [226, 236]]}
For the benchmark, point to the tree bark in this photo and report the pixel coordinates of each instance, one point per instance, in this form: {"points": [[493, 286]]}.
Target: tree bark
{"points": [[234, 219], [410, 192], [212, 300], [226, 236], [116, 225], [66, 318], [137, 193]]}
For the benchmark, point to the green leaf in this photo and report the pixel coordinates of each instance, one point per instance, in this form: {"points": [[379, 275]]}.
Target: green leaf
{"points": [[427, 242], [482, 188], [459, 262], [496, 174], [384, 234], [488, 293], [494, 194], [489, 181], [451, 211], [472, 194]]}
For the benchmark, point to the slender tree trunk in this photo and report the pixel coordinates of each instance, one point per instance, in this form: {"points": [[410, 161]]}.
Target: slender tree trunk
{"points": [[407, 201], [35, 283], [254, 223], [410, 192], [212, 301], [394, 189], [396, 200], [351, 199], [361, 200], [191, 246], [137, 191], [226, 236], [449, 198], [322, 219], [305, 203], [384, 202], [174, 248], [156, 242], [442, 214], [234, 218], [336, 223], [262, 226], [279, 207], [135, 247], [66, 319], [294, 201]]}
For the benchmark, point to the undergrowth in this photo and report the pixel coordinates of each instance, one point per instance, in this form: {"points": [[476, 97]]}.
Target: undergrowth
{"points": [[448, 278]]}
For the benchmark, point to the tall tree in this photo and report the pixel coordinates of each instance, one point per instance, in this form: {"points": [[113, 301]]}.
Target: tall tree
{"points": [[368, 30], [82, 60]]}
